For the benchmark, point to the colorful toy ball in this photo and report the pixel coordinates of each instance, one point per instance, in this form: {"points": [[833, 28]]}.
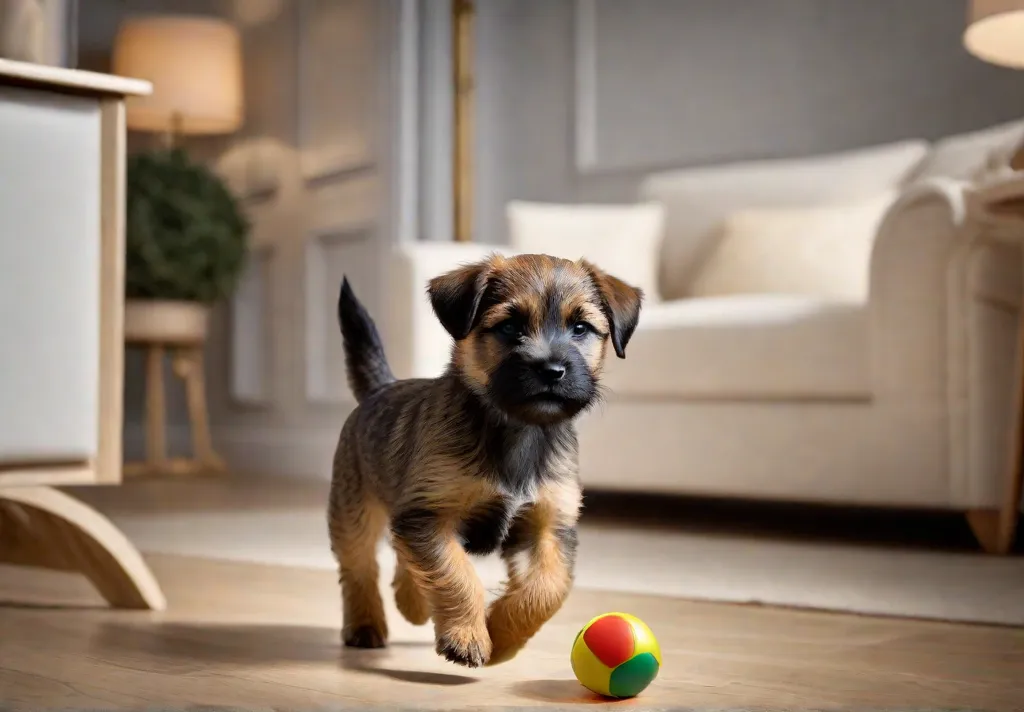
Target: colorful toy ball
{"points": [[616, 655]]}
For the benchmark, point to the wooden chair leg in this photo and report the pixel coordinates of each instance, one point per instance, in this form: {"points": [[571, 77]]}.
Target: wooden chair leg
{"points": [[46, 528]]}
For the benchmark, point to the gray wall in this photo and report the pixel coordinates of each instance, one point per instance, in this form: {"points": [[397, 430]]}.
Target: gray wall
{"points": [[579, 98]]}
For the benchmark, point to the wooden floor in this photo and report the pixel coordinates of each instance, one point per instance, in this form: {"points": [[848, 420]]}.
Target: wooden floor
{"points": [[256, 637]]}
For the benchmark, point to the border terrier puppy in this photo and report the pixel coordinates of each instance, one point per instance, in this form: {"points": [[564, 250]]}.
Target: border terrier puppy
{"points": [[482, 459]]}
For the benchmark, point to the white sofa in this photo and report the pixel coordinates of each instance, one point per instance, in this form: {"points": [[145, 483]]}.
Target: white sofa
{"points": [[900, 397]]}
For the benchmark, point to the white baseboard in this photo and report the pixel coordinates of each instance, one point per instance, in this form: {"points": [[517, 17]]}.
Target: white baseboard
{"points": [[277, 452]]}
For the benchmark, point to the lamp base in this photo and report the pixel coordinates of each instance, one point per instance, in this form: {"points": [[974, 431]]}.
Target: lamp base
{"points": [[171, 136]]}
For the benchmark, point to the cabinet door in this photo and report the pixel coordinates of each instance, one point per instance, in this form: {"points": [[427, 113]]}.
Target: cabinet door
{"points": [[50, 227]]}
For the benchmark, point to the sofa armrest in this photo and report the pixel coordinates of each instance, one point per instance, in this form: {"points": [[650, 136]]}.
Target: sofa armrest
{"points": [[916, 288], [417, 344]]}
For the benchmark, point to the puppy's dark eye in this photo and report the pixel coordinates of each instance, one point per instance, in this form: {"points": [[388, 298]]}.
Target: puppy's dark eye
{"points": [[508, 328], [580, 328]]}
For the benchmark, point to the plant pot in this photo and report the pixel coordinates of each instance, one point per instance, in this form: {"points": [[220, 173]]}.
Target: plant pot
{"points": [[149, 321]]}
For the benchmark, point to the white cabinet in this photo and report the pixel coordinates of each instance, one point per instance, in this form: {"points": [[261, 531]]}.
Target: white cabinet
{"points": [[62, 164]]}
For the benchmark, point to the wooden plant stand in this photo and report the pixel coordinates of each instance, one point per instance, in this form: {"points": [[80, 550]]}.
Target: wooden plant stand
{"points": [[178, 329]]}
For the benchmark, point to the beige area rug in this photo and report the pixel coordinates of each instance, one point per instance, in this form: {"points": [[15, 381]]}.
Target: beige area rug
{"points": [[752, 569]]}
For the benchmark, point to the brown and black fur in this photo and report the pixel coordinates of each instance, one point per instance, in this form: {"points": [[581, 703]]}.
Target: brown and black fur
{"points": [[482, 459]]}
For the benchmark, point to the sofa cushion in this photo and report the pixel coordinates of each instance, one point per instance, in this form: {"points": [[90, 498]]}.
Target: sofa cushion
{"points": [[624, 240], [697, 200], [968, 156], [823, 251], [746, 347]]}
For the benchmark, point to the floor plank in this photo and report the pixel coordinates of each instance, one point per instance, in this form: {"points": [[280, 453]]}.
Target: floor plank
{"points": [[252, 636]]}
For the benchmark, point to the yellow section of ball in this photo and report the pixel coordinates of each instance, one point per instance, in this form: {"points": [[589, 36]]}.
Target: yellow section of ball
{"points": [[643, 639], [591, 672]]}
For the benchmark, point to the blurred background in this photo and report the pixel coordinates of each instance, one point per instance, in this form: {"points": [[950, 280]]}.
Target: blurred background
{"points": [[344, 145], [821, 407]]}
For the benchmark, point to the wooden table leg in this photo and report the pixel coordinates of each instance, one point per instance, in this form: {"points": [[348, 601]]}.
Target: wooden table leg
{"points": [[1009, 513], [995, 529]]}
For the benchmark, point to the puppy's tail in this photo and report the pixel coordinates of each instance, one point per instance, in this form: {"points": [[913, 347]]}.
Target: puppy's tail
{"points": [[365, 362]]}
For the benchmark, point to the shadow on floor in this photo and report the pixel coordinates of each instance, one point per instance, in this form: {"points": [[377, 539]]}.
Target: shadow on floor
{"points": [[370, 662], [203, 644], [195, 646], [560, 692]]}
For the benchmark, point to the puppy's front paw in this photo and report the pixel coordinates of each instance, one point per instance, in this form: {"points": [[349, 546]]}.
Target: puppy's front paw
{"points": [[465, 645], [364, 636]]}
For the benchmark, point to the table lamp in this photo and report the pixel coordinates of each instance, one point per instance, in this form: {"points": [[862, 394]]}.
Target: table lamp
{"points": [[995, 34], [195, 66]]}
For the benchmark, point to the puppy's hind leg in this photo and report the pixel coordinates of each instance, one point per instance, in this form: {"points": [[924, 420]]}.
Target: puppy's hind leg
{"points": [[356, 523]]}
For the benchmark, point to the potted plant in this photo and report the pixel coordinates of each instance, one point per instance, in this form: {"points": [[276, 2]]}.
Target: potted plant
{"points": [[185, 246]]}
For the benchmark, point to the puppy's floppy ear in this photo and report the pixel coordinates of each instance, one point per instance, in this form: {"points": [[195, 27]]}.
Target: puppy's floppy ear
{"points": [[455, 297], [621, 304]]}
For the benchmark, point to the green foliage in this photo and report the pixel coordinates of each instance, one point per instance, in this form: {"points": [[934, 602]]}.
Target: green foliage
{"points": [[186, 236]]}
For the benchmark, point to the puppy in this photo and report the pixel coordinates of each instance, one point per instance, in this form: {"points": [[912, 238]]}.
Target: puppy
{"points": [[482, 459]]}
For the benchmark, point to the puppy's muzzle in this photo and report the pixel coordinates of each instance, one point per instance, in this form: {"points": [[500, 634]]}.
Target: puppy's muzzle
{"points": [[543, 390]]}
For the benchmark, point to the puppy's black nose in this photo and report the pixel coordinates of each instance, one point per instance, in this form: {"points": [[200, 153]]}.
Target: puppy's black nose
{"points": [[551, 371]]}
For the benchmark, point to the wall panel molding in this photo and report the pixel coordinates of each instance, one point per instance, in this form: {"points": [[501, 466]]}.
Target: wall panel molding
{"points": [[331, 255], [436, 138], [251, 345], [335, 57], [585, 90], [347, 205], [401, 47]]}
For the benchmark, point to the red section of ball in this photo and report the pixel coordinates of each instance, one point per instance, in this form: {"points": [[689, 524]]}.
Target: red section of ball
{"points": [[610, 639]]}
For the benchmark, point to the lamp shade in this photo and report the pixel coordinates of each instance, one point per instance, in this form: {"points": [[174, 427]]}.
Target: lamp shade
{"points": [[195, 66], [995, 31]]}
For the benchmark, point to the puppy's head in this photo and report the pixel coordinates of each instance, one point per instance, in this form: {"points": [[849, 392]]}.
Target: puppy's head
{"points": [[531, 331]]}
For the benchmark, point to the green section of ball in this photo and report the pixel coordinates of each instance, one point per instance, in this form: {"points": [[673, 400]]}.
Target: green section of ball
{"points": [[633, 676]]}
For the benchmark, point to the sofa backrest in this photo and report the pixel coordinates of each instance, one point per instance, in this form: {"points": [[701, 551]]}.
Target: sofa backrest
{"points": [[697, 200]]}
